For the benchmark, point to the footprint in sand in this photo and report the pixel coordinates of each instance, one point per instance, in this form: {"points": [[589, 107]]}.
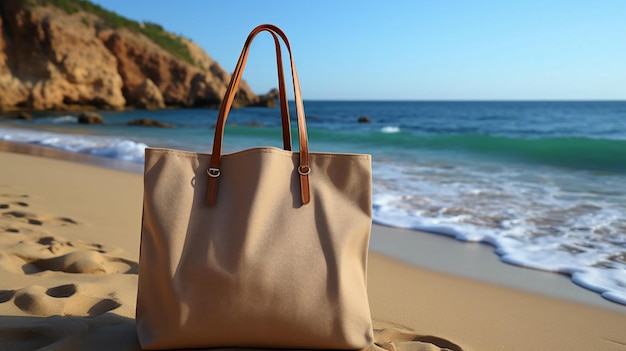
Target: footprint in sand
{"points": [[17, 203], [86, 262], [33, 253], [4, 204], [396, 337], [15, 196], [70, 303], [15, 211], [34, 250], [35, 219], [63, 300]]}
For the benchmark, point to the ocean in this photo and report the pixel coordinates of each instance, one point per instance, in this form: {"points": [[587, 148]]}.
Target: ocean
{"points": [[544, 182]]}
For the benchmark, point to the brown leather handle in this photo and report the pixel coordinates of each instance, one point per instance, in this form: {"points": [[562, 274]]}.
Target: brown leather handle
{"points": [[282, 91], [214, 164]]}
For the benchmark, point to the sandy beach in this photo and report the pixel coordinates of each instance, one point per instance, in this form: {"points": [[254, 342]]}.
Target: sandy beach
{"points": [[69, 247]]}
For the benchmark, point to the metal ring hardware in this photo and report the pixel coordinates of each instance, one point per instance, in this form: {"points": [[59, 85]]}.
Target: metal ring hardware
{"points": [[213, 172], [304, 170]]}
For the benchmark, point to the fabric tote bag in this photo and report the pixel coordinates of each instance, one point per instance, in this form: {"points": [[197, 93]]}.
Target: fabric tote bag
{"points": [[264, 247]]}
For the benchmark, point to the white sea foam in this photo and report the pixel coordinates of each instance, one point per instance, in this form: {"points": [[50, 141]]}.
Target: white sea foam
{"points": [[536, 219], [61, 119], [390, 129], [111, 147], [66, 119]]}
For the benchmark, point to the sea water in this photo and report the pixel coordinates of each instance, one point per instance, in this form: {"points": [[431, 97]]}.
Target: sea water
{"points": [[543, 182]]}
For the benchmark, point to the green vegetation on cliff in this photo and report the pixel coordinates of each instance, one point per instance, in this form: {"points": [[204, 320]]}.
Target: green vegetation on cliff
{"points": [[155, 32]]}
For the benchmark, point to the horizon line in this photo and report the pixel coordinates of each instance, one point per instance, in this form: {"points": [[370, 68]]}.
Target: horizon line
{"points": [[461, 100]]}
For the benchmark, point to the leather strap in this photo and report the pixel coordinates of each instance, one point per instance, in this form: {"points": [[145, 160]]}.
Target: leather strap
{"points": [[282, 91], [214, 164]]}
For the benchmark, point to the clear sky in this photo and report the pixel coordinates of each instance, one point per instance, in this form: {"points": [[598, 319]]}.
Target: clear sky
{"points": [[414, 49]]}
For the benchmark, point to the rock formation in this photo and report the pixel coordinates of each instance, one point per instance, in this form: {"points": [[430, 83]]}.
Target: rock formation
{"points": [[51, 58], [147, 95]]}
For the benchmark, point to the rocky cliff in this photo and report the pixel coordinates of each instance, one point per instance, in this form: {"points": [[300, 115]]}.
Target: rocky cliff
{"points": [[73, 54]]}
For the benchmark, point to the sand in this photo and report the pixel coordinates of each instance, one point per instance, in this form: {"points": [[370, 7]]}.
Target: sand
{"points": [[69, 244]]}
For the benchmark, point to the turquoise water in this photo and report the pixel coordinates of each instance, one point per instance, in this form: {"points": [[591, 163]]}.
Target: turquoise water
{"points": [[544, 182]]}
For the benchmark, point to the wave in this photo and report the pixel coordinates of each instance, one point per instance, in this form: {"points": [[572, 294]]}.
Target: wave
{"points": [[579, 153], [569, 152], [59, 119], [110, 147], [546, 253], [566, 152]]}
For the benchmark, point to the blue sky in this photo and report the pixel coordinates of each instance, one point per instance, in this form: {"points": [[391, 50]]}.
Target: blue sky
{"points": [[415, 50]]}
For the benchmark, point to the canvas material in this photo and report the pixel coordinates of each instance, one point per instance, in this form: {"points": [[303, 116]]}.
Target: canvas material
{"points": [[258, 269]]}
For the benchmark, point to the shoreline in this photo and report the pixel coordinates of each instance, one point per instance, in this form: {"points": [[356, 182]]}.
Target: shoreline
{"points": [[478, 261], [58, 154], [428, 287], [472, 260]]}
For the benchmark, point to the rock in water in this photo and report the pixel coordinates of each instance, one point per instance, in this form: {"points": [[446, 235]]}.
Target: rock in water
{"points": [[149, 123], [25, 116], [90, 118]]}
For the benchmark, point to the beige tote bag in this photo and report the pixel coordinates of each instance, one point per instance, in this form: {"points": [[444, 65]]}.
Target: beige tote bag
{"points": [[259, 248]]}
